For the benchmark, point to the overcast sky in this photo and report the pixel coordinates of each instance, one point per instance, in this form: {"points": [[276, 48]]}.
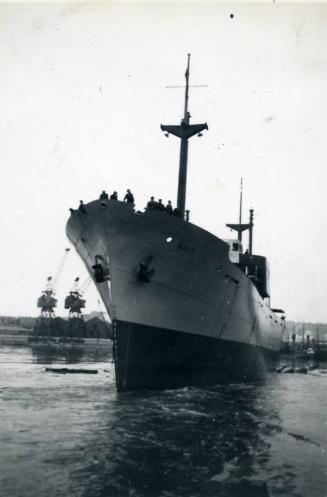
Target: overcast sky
{"points": [[82, 96]]}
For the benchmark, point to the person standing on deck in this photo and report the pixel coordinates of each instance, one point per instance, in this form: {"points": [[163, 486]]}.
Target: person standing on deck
{"points": [[129, 197], [104, 195], [82, 208], [169, 208], [151, 204]]}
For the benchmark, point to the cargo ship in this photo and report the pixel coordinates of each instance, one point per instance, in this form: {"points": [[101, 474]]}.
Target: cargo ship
{"points": [[187, 307]]}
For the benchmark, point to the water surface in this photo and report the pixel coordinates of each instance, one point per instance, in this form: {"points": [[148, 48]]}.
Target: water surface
{"points": [[73, 435]]}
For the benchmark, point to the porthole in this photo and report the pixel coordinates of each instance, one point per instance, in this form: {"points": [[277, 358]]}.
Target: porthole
{"points": [[169, 239]]}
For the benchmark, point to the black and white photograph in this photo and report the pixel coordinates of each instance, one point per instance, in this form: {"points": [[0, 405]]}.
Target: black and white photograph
{"points": [[163, 214]]}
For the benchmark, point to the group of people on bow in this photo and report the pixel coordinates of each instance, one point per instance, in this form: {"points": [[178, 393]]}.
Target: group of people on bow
{"points": [[152, 205], [129, 197]]}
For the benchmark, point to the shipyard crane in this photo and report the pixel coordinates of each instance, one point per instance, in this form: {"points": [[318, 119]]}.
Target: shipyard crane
{"points": [[85, 285], [73, 301], [61, 266], [47, 301]]}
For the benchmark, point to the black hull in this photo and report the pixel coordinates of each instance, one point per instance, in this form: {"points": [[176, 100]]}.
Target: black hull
{"points": [[149, 358]]}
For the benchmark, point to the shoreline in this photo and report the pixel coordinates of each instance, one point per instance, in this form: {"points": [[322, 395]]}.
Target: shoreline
{"points": [[23, 341]]}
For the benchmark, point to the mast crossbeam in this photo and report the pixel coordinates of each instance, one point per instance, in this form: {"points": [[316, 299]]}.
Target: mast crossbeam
{"points": [[184, 130]]}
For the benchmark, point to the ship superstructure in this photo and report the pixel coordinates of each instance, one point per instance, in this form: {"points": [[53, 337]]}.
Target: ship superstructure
{"points": [[186, 307]]}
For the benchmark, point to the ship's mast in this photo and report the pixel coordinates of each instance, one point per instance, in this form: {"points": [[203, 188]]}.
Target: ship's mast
{"points": [[184, 131], [240, 227], [187, 78], [251, 232], [240, 216]]}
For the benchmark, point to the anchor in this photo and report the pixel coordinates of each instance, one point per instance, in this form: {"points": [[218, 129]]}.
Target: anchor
{"points": [[100, 274], [144, 273]]}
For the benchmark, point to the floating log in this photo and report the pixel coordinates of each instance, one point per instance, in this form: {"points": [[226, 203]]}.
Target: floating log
{"points": [[301, 370], [71, 371], [281, 368]]}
